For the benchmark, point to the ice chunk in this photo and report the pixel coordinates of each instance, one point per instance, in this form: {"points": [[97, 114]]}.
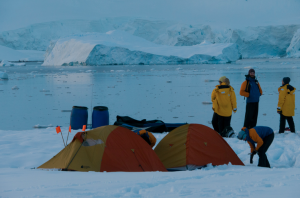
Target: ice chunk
{"points": [[3, 76], [5, 63], [15, 88]]}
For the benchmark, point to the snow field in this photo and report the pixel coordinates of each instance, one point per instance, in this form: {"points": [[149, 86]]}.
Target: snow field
{"points": [[222, 181], [23, 150]]}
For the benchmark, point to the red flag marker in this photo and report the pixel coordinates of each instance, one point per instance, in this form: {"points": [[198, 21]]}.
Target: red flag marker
{"points": [[58, 130], [70, 128], [84, 127]]}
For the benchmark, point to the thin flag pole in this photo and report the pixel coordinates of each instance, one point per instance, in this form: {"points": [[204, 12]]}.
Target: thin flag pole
{"points": [[68, 134], [58, 130]]}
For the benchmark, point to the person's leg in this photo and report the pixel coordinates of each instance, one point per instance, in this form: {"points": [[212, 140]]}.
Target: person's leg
{"points": [[254, 115], [215, 122], [221, 124], [248, 116], [227, 121], [282, 123], [263, 160], [291, 123]]}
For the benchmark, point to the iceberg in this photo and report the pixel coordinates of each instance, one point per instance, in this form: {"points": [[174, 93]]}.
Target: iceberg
{"points": [[118, 48], [5, 63]]}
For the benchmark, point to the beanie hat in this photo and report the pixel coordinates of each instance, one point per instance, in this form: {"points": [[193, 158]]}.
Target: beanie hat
{"points": [[226, 80], [251, 70], [286, 80], [241, 135], [222, 78]]}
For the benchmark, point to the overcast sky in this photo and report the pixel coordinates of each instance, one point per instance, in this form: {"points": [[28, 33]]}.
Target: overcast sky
{"points": [[20, 13]]}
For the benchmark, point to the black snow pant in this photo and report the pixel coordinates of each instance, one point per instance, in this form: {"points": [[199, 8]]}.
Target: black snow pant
{"points": [[263, 160], [251, 115], [215, 122], [220, 122], [290, 121]]}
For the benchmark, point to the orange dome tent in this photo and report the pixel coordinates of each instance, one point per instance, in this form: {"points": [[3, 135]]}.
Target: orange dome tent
{"points": [[107, 148], [192, 146]]}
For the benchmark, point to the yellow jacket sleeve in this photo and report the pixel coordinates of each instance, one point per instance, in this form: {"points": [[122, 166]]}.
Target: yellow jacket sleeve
{"points": [[233, 100], [255, 137], [243, 89], [281, 99]]}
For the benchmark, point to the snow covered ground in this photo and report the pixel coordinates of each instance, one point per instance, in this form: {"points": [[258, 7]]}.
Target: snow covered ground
{"points": [[120, 48], [23, 150]]}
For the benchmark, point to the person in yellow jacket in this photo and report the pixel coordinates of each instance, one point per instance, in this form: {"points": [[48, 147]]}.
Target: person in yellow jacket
{"points": [[286, 105], [147, 136], [224, 102]]}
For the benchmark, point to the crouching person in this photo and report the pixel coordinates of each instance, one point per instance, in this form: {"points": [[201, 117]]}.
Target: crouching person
{"points": [[147, 136], [261, 135]]}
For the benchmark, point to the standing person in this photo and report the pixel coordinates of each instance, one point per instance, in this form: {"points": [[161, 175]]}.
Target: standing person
{"points": [[224, 102], [286, 105], [261, 135], [251, 89], [215, 118]]}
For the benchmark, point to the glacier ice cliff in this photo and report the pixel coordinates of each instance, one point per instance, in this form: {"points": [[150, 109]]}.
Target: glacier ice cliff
{"points": [[252, 42], [118, 48]]}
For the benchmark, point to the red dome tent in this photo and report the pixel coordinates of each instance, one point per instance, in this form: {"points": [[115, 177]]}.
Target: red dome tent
{"points": [[192, 146], [108, 148]]}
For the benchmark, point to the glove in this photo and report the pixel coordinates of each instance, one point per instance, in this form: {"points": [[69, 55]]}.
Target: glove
{"points": [[278, 110], [251, 158], [252, 155]]}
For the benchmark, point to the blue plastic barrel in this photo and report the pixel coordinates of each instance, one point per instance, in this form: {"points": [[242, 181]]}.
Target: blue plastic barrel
{"points": [[100, 116], [79, 117]]}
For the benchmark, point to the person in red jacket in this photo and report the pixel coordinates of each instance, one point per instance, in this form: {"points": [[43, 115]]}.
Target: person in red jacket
{"points": [[262, 136]]}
